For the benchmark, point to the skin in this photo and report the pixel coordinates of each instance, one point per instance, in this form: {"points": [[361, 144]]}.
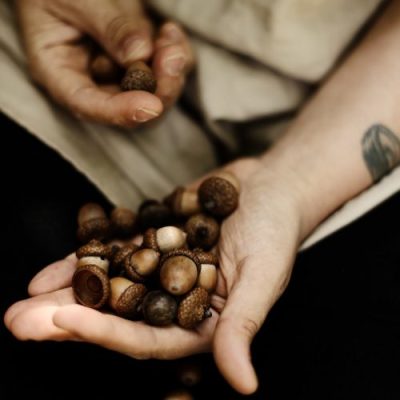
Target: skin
{"points": [[55, 34], [324, 159]]}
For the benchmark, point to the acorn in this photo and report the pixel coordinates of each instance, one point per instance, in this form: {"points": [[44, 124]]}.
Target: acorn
{"points": [[117, 261], [126, 297], [183, 202], [140, 264], [139, 76], [164, 239], [123, 222], [159, 308], [90, 282], [218, 196], [194, 308], [189, 374], [153, 214], [92, 223], [104, 69], [208, 271], [179, 270], [179, 395], [202, 231], [95, 253]]}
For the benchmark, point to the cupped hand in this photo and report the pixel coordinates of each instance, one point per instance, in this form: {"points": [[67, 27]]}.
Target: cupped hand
{"points": [[257, 248], [60, 57]]}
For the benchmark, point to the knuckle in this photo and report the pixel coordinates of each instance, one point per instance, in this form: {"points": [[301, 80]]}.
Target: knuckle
{"points": [[249, 327]]}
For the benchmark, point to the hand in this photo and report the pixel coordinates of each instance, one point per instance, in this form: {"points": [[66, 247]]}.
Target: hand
{"points": [[59, 57], [257, 249]]}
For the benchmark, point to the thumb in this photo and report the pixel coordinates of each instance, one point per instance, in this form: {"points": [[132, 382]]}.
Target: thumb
{"points": [[124, 32], [251, 297]]}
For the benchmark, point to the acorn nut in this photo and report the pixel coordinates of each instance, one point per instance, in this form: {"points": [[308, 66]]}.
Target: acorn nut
{"points": [[183, 202], [179, 270], [140, 264], [159, 308], [164, 239], [126, 297], [194, 308], [153, 214], [208, 275], [94, 253], [139, 76], [218, 196], [123, 222], [117, 263], [202, 231], [92, 223]]}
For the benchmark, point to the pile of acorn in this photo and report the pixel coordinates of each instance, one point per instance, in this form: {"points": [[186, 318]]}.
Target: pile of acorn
{"points": [[170, 276]]}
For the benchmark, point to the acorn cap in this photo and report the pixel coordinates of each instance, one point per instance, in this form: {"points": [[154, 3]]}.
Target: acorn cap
{"points": [[202, 231], [123, 221], [218, 196], [150, 239], [91, 286], [98, 228], [95, 249], [206, 257], [126, 297], [159, 308], [139, 77], [194, 308], [140, 264], [229, 177], [153, 214], [179, 270]]}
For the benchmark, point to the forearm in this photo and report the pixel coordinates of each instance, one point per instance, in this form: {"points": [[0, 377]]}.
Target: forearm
{"points": [[347, 137]]}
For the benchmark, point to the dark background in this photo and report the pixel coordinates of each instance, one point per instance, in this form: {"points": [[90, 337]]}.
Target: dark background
{"points": [[334, 334]]}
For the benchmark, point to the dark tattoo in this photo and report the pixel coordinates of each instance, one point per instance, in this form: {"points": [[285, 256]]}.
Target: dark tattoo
{"points": [[381, 150]]}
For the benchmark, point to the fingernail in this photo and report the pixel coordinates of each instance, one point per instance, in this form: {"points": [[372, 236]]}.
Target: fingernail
{"points": [[144, 114], [135, 49], [173, 33], [174, 64]]}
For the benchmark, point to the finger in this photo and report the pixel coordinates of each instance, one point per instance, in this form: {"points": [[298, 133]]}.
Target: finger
{"points": [[54, 277], [249, 301], [33, 318], [124, 32], [135, 339], [173, 59], [72, 86]]}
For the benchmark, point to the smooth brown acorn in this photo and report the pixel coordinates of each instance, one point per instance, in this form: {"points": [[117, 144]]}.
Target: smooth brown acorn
{"points": [[140, 264], [208, 275], [179, 270], [164, 239], [126, 297], [194, 308], [117, 261], [104, 69], [153, 214], [139, 76], [183, 202], [90, 282], [123, 222], [159, 308], [202, 231], [218, 196], [92, 223]]}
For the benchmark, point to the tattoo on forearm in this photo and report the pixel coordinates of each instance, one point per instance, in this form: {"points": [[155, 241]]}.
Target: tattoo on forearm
{"points": [[381, 150]]}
